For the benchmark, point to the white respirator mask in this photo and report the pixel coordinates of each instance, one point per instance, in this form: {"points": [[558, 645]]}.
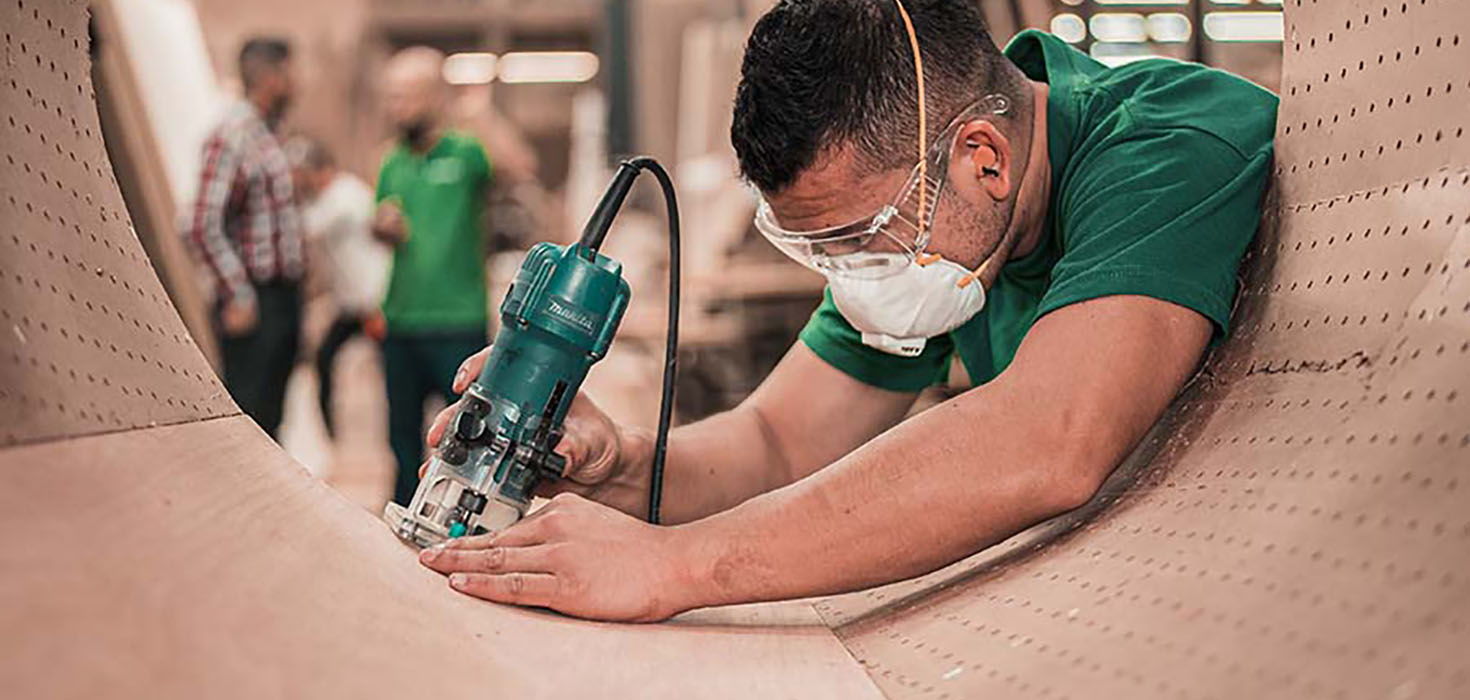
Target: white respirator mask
{"points": [[898, 314]]}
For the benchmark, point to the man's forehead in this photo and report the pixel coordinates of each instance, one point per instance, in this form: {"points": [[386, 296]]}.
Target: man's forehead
{"points": [[413, 71], [834, 190]]}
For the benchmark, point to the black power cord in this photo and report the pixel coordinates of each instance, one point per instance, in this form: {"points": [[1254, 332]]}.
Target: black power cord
{"points": [[593, 235], [671, 342], [591, 240]]}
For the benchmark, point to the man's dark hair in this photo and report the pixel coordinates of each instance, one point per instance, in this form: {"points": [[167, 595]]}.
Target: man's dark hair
{"points": [[309, 153], [261, 54], [823, 73]]}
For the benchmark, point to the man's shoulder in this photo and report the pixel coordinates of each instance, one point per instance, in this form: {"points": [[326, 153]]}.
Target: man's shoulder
{"points": [[352, 186], [236, 119], [464, 144], [462, 140], [392, 153], [348, 191], [1169, 95]]}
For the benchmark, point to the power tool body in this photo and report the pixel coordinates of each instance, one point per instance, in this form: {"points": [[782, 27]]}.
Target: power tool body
{"points": [[557, 320]]}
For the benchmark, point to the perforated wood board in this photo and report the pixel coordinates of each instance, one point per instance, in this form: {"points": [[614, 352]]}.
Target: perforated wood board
{"points": [[88, 339], [1301, 523], [1297, 527]]}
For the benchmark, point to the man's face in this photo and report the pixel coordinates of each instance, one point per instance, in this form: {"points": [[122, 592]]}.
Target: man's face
{"points": [[279, 84], [837, 190], [409, 98]]}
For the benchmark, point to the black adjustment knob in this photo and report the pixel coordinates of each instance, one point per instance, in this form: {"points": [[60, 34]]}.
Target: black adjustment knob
{"points": [[472, 502], [471, 404], [468, 427], [454, 453], [552, 465]]}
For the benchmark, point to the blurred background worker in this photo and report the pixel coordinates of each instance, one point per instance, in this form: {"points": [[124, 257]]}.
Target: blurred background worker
{"points": [[338, 213], [245, 226], [432, 190]]}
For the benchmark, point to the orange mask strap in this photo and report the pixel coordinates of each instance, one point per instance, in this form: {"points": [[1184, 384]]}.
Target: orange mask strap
{"points": [[927, 259], [923, 259], [974, 277], [908, 25]]}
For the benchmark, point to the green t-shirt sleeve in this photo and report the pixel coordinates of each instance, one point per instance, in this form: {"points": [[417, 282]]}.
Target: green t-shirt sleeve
{"points": [[382, 190], [833, 339], [481, 168], [1166, 214]]}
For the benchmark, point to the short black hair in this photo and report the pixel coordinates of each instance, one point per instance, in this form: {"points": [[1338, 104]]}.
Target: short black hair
{"points": [[260, 54], [821, 73]]}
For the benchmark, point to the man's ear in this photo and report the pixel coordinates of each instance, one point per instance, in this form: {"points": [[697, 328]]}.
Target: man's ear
{"points": [[983, 156]]}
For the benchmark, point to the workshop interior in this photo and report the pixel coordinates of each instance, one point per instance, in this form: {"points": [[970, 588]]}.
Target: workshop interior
{"points": [[1295, 525]]}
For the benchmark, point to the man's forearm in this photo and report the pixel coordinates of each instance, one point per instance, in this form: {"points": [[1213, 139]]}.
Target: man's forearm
{"points": [[803, 417], [904, 505], [966, 474], [711, 465]]}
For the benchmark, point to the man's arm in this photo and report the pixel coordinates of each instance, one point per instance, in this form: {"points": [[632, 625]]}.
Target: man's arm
{"points": [[1086, 384], [805, 415], [205, 227]]}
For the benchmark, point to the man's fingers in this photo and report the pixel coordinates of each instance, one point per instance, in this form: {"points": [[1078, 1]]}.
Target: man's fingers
{"points": [[528, 532], [470, 542], [525, 533], [469, 369], [517, 588], [436, 429], [490, 560]]}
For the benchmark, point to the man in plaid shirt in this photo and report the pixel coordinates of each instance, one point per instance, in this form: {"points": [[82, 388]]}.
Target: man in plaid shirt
{"points": [[245, 226]]}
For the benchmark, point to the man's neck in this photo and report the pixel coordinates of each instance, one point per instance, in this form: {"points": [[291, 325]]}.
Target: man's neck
{"points": [[423, 144], [262, 105], [1031, 204]]}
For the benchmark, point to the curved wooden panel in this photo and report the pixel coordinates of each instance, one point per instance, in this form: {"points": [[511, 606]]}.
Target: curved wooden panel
{"points": [[90, 343], [1296, 527]]}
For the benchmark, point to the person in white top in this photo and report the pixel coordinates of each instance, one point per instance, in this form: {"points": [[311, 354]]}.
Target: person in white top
{"points": [[338, 211]]}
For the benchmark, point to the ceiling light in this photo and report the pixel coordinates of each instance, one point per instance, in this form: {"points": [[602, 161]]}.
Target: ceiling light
{"points": [[548, 67], [1244, 26], [469, 68], [1069, 28]]}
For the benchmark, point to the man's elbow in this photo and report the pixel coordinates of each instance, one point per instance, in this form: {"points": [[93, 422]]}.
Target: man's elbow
{"points": [[1082, 455], [1068, 491]]}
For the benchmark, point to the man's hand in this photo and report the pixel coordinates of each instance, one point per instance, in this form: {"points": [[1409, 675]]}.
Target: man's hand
{"points": [[576, 557], [239, 317], [389, 226], [592, 445]]}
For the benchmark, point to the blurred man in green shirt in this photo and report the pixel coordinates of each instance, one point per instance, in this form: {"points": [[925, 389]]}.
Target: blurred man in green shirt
{"points": [[431, 195], [1069, 232]]}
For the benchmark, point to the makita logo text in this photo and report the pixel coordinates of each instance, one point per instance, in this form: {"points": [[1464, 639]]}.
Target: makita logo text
{"points": [[572, 315]]}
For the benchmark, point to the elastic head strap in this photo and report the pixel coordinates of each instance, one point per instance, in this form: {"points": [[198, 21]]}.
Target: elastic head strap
{"points": [[908, 25]]}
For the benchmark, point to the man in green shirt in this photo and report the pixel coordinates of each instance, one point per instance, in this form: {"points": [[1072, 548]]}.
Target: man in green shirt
{"points": [[1075, 245], [432, 189]]}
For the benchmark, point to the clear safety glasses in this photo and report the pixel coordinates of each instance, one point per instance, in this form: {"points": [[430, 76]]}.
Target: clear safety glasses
{"points": [[895, 232]]}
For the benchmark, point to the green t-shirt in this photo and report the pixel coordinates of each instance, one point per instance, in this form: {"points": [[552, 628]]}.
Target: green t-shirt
{"points": [[438, 280], [1158, 172]]}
